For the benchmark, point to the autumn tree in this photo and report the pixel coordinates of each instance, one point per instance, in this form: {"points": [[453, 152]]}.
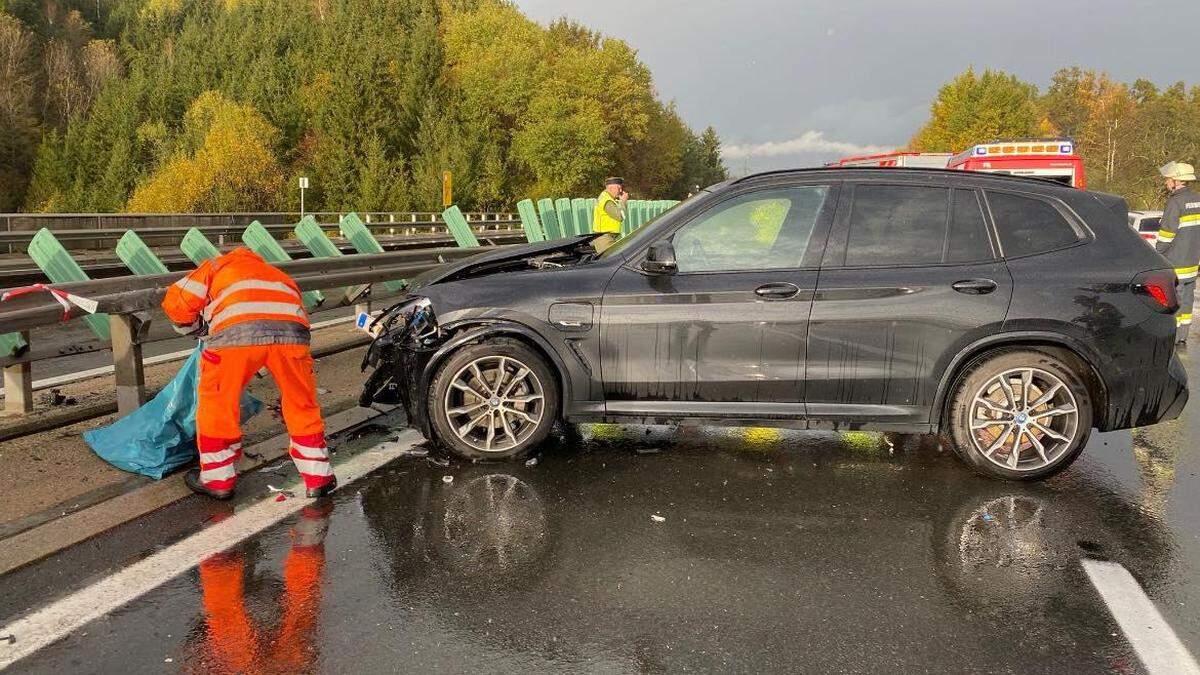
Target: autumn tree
{"points": [[226, 162], [978, 108]]}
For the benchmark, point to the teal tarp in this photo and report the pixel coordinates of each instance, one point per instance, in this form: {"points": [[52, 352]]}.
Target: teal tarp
{"points": [[160, 436]]}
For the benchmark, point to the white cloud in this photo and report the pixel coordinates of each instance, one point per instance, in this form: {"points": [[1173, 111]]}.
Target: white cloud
{"points": [[810, 142]]}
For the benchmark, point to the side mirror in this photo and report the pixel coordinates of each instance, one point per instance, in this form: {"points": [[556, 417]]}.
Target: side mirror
{"points": [[660, 259]]}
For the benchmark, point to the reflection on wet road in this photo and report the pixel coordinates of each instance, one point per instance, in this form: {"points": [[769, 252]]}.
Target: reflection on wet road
{"points": [[633, 549]]}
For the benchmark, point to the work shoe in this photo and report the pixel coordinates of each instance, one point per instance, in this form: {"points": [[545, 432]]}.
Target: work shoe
{"points": [[192, 478], [318, 492]]}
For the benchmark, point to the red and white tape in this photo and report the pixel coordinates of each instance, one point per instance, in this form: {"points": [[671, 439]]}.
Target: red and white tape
{"points": [[64, 298]]}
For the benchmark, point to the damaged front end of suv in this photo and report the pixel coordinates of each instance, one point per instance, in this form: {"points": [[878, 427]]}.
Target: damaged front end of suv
{"points": [[439, 318], [407, 335]]}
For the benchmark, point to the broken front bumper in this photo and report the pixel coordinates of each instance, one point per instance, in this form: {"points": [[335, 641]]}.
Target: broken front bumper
{"points": [[408, 335]]}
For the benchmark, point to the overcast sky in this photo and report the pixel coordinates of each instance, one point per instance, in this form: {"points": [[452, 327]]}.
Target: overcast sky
{"points": [[797, 83]]}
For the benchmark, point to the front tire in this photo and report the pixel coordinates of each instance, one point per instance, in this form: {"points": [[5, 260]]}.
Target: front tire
{"points": [[1020, 415], [495, 400]]}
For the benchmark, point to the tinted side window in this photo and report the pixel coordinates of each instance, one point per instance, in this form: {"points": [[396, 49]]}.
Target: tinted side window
{"points": [[768, 229], [897, 225], [1028, 225], [966, 238]]}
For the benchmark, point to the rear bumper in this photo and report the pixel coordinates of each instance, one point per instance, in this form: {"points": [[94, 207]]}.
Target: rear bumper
{"points": [[1147, 396]]}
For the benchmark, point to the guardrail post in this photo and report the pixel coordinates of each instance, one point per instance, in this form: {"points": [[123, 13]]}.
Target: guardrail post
{"points": [[18, 386], [128, 370]]}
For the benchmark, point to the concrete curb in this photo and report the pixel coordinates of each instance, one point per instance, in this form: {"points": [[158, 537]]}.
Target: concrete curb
{"points": [[44, 540]]}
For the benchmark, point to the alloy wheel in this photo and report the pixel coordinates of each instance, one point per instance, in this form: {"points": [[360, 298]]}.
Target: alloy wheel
{"points": [[494, 403], [1023, 419]]}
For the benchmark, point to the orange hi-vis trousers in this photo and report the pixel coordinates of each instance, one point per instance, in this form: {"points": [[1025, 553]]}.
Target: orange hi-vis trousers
{"points": [[224, 374]]}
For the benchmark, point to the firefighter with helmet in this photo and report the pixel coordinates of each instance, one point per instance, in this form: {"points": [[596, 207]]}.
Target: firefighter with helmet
{"points": [[1178, 238]]}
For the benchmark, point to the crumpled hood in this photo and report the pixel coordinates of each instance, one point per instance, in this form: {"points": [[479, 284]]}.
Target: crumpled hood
{"points": [[499, 255]]}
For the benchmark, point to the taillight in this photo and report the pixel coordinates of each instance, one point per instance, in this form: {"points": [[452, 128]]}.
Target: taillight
{"points": [[1158, 290]]}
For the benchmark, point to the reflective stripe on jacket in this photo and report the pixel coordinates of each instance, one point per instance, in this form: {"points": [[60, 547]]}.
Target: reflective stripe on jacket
{"points": [[602, 220], [244, 301], [1178, 236]]}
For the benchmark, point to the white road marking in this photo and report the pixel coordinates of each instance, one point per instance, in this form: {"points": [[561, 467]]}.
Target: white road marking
{"points": [[58, 620], [69, 378], [1152, 639]]}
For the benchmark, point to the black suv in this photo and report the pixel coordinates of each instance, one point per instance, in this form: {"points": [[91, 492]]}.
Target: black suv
{"points": [[1010, 315]]}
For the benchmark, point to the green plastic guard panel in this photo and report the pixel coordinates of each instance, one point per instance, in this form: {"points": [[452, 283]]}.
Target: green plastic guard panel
{"points": [[364, 242], [11, 343], [529, 221], [583, 218], [137, 256], [566, 216], [313, 237], [261, 242], [61, 268], [459, 229], [197, 247], [549, 218]]}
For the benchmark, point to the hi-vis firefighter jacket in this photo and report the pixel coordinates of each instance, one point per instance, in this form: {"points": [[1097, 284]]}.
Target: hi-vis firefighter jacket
{"points": [[244, 301], [1179, 233]]}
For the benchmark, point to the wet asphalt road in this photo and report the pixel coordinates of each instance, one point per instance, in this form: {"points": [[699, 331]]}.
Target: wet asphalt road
{"points": [[777, 551]]}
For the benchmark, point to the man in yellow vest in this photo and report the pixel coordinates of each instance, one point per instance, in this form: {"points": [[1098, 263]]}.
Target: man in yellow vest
{"points": [[610, 213]]}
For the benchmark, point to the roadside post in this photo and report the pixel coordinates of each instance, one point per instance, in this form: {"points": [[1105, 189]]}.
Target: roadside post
{"points": [[303, 187]]}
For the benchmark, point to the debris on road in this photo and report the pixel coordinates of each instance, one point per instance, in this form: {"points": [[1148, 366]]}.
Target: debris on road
{"points": [[532, 461], [657, 518], [447, 479], [649, 450], [56, 398], [438, 461], [282, 493], [10, 639]]}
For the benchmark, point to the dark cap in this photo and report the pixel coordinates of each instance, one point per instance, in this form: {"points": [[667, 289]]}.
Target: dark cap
{"points": [[615, 180]]}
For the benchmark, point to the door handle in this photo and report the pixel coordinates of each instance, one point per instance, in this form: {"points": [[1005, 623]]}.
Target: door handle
{"points": [[780, 291], [975, 286]]}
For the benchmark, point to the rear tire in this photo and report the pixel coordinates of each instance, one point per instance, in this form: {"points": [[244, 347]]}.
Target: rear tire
{"points": [[495, 400], [1020, 414]]}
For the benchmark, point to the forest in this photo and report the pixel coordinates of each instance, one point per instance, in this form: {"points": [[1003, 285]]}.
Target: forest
{"points": [[220, 105], [1124, 131]]}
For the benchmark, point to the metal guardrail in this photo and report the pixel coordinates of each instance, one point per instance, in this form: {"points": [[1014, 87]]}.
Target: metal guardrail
{"points": [[89, 230], [127, 301]]}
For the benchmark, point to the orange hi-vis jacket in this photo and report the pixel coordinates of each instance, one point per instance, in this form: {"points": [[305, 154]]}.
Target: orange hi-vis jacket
{"points": [[244, 300]]}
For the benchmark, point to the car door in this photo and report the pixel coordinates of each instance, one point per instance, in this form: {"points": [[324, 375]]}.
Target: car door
{"points": [[910, 277], [725, 334]]}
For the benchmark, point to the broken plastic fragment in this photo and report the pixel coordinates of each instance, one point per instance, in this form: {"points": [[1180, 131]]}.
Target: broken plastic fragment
{"points": [[282, 493], [532, 461], [281, 498], [657, 518]]}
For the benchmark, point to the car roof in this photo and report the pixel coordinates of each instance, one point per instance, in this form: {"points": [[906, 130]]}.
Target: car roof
{"points": [[914, 173]]}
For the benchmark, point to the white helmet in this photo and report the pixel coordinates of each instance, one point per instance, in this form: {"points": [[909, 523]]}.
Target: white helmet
{"points": [[1180, 171]]}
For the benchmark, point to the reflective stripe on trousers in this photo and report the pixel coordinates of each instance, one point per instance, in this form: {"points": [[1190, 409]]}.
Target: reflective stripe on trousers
{"points": [[1183, 317]]}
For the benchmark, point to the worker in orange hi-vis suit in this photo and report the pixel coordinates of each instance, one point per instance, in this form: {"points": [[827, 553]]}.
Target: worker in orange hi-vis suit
{"points": [[255, 318], [232, 642]]}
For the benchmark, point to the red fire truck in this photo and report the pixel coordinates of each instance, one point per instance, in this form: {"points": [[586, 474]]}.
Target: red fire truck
{"points": [[1053, 159], [928, 160]]}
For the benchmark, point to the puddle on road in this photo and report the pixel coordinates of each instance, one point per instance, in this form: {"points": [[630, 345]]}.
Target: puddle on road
{"points": [[764, 541]]}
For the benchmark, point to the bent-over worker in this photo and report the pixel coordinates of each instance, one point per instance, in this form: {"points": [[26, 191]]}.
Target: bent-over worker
{"points": [[255, 318]]}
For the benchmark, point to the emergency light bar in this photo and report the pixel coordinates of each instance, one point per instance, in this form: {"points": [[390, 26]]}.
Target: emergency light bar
{"points": [[1048, 148]]}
